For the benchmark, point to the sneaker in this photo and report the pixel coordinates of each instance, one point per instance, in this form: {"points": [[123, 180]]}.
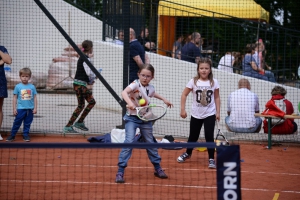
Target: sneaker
{"points": [[10, 138], [1, 138], [211, 164], [81, 126], [160, 173], [69, 129], [119, 178], [26, 138], [183, 157]]}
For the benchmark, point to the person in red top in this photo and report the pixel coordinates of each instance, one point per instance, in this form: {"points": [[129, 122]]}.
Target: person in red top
{"points": [[288, 126]]}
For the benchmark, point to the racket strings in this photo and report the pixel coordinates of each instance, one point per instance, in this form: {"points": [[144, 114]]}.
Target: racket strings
{"points": [[150, 113], [221, 138]]}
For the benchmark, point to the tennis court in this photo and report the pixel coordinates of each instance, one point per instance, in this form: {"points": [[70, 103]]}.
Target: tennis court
{"points": [[89, 173], [52, 34]]}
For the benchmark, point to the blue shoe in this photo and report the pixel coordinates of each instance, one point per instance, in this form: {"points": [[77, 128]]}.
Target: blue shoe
{"points": [[69, 129], [119, 177], [26, 138], [81, 126], [160, 173], [10, 138], [211, 164]]}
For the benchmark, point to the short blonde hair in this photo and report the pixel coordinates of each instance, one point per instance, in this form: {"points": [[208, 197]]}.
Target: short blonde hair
{"points": [[244, 83], [25, 70]]}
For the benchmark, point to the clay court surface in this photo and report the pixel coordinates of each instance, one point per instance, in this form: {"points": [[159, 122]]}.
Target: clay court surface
{"points": [[90, 173]]}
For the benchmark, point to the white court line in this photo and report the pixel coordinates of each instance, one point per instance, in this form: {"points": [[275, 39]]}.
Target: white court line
{"points": [[177, 169], [276, 173], [138, 184], [111, 183]]}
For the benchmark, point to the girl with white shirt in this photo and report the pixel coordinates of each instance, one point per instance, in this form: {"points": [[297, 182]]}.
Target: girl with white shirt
{"points": [[205, 107]]}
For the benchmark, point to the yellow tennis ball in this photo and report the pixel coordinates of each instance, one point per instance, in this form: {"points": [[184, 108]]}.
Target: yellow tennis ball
{"points": [[142, 102], [218, 142]]}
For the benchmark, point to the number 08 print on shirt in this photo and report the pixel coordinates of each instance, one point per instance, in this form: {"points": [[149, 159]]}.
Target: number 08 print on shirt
{"points": [[204, 96]]}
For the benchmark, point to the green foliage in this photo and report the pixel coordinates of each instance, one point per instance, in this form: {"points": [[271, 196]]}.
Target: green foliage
{"points": [[92, 7], [289, 10]]}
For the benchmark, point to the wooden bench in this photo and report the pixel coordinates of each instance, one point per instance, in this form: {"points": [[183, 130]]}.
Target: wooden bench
{"points": [[269, 118]]}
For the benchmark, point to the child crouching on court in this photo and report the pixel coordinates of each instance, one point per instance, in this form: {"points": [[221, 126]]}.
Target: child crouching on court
{"points": [[137, 90], [24, 105], [205, 108]]}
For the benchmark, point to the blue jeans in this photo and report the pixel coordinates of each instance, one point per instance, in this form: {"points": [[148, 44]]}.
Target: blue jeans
{"points": [[255, 129], [25, 115], [270, 76], [131, 124]]}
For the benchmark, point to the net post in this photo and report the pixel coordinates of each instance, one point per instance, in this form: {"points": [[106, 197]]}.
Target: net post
{"points": [[126, 27], [269, 133], [228, 172]]}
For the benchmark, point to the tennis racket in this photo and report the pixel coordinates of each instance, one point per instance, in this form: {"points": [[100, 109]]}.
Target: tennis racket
{"points": [[151, 112], [220, 138]]}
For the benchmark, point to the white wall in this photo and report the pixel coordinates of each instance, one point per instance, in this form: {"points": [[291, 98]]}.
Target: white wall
{"points": [[172, 75], [30, 37], [180, 72]]}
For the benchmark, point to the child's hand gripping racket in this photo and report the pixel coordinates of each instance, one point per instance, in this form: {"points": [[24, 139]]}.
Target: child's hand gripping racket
{"points": [[221, 135], [151, 112]]}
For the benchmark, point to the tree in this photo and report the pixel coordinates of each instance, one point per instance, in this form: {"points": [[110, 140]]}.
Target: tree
{"points": [[282, 12], [92, 7]]}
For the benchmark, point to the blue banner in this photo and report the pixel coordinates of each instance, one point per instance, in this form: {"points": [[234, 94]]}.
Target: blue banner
{"points": [[228, 173]]}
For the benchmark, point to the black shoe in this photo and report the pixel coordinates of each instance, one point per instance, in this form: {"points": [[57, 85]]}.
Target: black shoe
{"points": [[26, 138], [160, 173], [10, 138], [119, 178]]}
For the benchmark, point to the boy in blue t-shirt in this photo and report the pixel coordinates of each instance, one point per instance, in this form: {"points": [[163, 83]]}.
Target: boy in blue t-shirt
{"points": [[24, 105]]}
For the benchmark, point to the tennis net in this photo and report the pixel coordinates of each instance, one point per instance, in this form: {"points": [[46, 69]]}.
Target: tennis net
{"points": [[88, 171]]}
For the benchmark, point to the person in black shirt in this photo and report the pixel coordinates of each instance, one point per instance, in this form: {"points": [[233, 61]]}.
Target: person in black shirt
{"points": [[4, 59], [143, 38], [83, 81], [190, 52], [137, 55]]}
